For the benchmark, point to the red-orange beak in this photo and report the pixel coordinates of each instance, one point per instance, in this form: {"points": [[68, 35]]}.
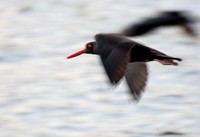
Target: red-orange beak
{"points": [[76, 54]]}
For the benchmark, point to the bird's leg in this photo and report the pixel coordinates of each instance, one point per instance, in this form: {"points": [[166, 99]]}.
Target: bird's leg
{"points": [[167, 62]]}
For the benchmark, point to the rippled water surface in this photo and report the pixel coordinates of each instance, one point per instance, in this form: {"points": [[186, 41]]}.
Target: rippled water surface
{"points": [[43, 95]]}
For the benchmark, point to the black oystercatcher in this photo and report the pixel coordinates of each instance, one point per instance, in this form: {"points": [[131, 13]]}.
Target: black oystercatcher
{"points": [[167, 18], [123, 57]]}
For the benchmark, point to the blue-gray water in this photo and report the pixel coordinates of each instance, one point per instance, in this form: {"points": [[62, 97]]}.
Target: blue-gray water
{"points": [[43, 95]]}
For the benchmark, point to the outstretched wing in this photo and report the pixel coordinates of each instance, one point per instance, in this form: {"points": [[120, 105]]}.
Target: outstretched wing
{"points": [[136, 77], [115, 55]]}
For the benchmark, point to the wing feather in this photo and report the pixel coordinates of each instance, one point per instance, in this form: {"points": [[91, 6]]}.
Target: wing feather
{"points": [[136, 77], [116, 63], [114, 51]]}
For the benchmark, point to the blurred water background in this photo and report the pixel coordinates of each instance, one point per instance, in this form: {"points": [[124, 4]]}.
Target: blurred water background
{"points": [[43, 95]]}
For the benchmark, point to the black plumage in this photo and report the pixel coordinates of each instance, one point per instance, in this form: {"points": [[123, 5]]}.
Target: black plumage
{"points": [[168, 18], [121, 57]]}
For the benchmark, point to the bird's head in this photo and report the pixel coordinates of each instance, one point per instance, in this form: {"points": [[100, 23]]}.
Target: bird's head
{"points": [[91, 48]]}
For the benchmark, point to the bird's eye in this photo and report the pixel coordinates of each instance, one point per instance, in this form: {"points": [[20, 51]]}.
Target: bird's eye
{"points": [[89, 45]]}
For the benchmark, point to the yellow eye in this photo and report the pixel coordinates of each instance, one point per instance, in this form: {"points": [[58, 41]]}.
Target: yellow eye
{"points": [[89, 45]]}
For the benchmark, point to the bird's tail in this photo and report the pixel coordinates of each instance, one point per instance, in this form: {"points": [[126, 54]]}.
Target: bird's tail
{"points": [[165, 59]]}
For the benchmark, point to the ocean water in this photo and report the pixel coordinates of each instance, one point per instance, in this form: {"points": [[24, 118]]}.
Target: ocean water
{"points": [[44, 95]]}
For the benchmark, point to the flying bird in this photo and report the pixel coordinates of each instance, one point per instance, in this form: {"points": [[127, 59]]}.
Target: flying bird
{"points": [[167, 18], [121, 57]]}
